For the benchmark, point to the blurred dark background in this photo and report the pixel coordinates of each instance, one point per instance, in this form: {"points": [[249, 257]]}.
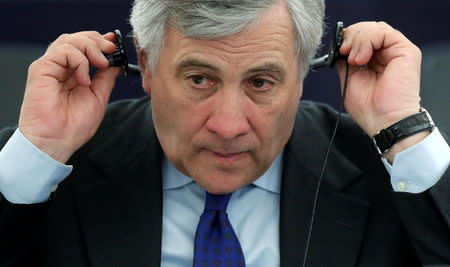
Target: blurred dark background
{"points": [[28, 26]]}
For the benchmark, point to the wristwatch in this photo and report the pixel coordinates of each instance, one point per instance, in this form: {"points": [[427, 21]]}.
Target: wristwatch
{"points": [[411, 125]]}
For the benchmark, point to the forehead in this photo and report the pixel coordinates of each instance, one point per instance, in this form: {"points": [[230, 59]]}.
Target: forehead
{"points": [[269, 38]]}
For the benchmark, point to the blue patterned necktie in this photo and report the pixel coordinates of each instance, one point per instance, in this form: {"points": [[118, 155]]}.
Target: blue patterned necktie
{"points": [[216, 244]]}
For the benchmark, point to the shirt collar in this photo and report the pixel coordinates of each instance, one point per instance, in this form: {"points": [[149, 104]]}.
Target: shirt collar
{"points": [[173, 178], [270, 180]]}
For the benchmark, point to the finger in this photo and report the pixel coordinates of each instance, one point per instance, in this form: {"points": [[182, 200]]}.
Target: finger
{"points": [[103, 82], [366, 38], [92, 44], [85, 45], [64, 61], [350, 46], [357, 39], [105, 42], [370, 38], [362, 52], [350, 33], [110, 36]]}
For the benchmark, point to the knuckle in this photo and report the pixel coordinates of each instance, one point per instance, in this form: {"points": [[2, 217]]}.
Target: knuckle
{"points": [[88, 41], [384, 26], [417, 51], [382, 23], [70, 51], [33, 65], [50, 45], [364, 26], [66, 47], [39, 64], [63, 37], [93, 35]]}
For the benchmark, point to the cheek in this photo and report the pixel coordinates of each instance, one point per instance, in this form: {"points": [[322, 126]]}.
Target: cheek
{"points": [[167, 118], [165, 114], [176, 118], [273, 124]]}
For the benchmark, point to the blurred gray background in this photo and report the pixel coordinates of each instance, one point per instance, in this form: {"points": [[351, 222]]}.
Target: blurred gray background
{"points": [[28, 26]]}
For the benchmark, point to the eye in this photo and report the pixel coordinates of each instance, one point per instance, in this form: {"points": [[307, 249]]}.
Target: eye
{"points": [[260, 84], [200, 81]]}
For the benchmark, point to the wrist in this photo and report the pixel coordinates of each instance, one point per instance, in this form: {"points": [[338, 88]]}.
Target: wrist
{"points": [[403, 134], [390, 119], [404, 144], [51, 148]]}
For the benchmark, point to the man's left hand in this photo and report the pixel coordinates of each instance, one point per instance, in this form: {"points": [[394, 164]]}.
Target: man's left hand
{"points": [[384, 76]]}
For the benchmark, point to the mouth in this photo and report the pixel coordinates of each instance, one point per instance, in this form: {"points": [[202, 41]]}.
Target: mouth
{"points": [[228, 157]]}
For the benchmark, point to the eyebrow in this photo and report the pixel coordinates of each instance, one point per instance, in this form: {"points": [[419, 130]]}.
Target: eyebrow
{"points": [[269, 67], [192, 62], [184, 64]]}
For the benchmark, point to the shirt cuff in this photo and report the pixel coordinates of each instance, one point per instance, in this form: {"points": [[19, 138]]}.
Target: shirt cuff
{"points": [[28, 175], [419, 167]]}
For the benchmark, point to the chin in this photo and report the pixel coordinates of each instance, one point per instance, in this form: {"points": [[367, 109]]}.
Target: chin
{"points": [[222, 186]]}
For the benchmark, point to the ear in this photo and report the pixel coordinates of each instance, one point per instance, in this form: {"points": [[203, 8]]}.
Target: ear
{"points": [[146, 73], [301, 89]]}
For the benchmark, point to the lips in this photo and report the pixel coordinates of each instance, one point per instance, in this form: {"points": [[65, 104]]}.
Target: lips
{"points": [[227, 158], [227, 155]]}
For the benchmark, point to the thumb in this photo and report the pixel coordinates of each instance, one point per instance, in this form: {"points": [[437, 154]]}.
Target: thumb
{"points": [[103, 82]]}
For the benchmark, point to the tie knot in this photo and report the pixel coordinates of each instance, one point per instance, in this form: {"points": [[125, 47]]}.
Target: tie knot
{"points": [[217, 202]]}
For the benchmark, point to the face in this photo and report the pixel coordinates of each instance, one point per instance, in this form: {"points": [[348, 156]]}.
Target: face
{"points": [[224, 109]]}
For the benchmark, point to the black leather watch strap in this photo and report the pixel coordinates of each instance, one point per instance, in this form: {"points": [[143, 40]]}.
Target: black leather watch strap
{"points": [[411, 125]]}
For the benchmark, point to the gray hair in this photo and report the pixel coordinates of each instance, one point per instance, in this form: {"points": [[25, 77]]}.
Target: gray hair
{"points": [[212, 19]]}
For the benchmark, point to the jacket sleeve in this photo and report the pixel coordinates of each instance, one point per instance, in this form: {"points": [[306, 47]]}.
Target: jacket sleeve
{"points": [[19, 225], [426, 217]]}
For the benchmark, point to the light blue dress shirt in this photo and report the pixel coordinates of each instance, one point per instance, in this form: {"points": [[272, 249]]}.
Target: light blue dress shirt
{"points": [[253, 210]]}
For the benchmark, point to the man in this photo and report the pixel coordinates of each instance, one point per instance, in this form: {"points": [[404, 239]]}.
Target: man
{"points": [[225, 80]]}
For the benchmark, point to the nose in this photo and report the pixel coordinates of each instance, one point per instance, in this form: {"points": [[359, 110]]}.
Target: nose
{"points": [[229, 119]]}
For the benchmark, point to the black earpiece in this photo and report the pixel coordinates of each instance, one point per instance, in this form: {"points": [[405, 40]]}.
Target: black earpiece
{"points": [[119, 57], [327, 61], [333, 55]]}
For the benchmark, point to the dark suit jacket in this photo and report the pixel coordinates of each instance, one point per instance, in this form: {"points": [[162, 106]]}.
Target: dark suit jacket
{"points": [[108, 212]]}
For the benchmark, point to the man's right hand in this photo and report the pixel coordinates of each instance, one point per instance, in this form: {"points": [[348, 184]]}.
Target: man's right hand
{"points": [[62, 107]]}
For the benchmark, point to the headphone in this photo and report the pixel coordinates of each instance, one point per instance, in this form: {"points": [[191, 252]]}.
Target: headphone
{"points": [[333, 55], [119, 58]]}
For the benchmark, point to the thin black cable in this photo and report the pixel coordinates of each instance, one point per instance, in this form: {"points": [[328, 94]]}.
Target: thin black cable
{"points": [[313, 215]]}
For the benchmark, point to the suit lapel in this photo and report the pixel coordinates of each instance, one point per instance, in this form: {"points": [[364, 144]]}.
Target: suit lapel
{"points": [[340, 218], [119, 198], [119, 201]]}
